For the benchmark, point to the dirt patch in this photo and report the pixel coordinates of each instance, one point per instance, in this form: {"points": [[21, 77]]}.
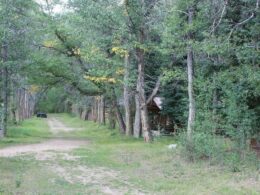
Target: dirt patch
{"points": [[104, 180], [50, 145], [57, 126], [54, 155], [58, 145]]}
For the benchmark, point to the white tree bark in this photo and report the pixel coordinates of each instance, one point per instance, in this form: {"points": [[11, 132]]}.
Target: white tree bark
{"points": [[191, 118]]}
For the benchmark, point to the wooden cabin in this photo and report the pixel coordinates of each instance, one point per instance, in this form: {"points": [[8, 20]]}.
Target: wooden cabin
{"points": [[159, 121]]}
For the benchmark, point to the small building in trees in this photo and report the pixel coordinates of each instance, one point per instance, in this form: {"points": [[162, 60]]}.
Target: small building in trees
{"points": [[158, 120]]}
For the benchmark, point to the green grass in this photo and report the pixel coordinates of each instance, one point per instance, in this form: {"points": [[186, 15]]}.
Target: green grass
{"points": [[25, 175], [153, 168], [29, 131]]}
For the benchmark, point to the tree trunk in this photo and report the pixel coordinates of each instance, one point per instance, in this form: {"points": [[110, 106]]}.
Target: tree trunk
{"points": [[92, 112], [119, 116], [214, 103], [142, 97], [191, 118], [120, 119], [98, 109], [95, 110], [127, 105], [111, 118], [5, 87], [18, 97], [137, 122], [5, 92], [102, 119]]}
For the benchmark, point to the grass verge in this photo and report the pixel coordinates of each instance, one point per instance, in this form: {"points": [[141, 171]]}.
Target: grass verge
{"points": [[29, 131]]}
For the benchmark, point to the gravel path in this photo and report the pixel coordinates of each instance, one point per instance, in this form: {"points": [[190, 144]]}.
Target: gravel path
{"points": [[56, 127]]}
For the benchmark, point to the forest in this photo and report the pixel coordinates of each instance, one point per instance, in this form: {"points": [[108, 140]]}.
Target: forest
{"points": [[174, 83]]}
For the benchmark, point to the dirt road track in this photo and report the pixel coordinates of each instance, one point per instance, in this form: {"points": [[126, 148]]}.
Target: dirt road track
{"points": [[59, 144]]}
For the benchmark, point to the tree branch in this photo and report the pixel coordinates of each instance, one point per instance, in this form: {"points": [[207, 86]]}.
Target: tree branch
{"points": [[245, 21], [155, 91], [221, 17]]}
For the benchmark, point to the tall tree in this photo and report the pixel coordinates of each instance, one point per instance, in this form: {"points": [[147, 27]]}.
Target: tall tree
{"points": [[190, 69]]}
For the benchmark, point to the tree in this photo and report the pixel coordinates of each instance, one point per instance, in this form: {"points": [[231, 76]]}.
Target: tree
{"points": [[15, 17], [190, 69]]}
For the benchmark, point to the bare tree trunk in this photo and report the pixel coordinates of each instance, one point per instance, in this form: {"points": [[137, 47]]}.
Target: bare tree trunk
{"points": [[26, 104], [142, 97], [191, 118], [92, 113], [5, 87], [12, 103], [1, 120], [1, 133], [86, 114], [137, 122], [18, 97], [127, 105], [98, 110], [214, 103], [21, 101], [95, 110], [20, 109], [23, 104], [102, 119], [6, 102]]}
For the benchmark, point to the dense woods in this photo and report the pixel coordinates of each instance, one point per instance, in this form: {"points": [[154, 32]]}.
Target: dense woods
{"points": [[107, 61]]}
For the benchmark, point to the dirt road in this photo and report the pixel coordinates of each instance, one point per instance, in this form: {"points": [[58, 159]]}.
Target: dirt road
{"points": [[60, 145], [56, 126], [55, 157]]}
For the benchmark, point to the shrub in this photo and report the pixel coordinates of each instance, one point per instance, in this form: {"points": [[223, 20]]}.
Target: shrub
{"points": [[218, 150], [203, 146]]}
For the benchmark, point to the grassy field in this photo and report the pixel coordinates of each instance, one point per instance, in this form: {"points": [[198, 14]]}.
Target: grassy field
{"points": [[121, 162], [30, 131]]}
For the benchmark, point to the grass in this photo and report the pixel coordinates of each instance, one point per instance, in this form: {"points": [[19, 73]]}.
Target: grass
{"points": [[24, 175], [29, 131], [156, 168], [151, 167]]}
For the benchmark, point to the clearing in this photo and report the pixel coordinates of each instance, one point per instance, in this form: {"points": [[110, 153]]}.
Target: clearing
{"points": [[64, 155]]}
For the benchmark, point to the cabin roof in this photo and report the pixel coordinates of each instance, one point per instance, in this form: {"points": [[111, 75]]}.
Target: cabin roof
{"points": [[158, 101]]}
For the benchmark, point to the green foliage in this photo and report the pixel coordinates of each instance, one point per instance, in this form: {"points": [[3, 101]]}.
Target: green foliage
{"points": [[226, 75], [53, 101], [218, 150], [205, 146]]}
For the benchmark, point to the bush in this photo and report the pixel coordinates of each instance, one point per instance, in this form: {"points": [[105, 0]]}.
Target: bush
{"points": [[219, 150], [203, 146]]}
